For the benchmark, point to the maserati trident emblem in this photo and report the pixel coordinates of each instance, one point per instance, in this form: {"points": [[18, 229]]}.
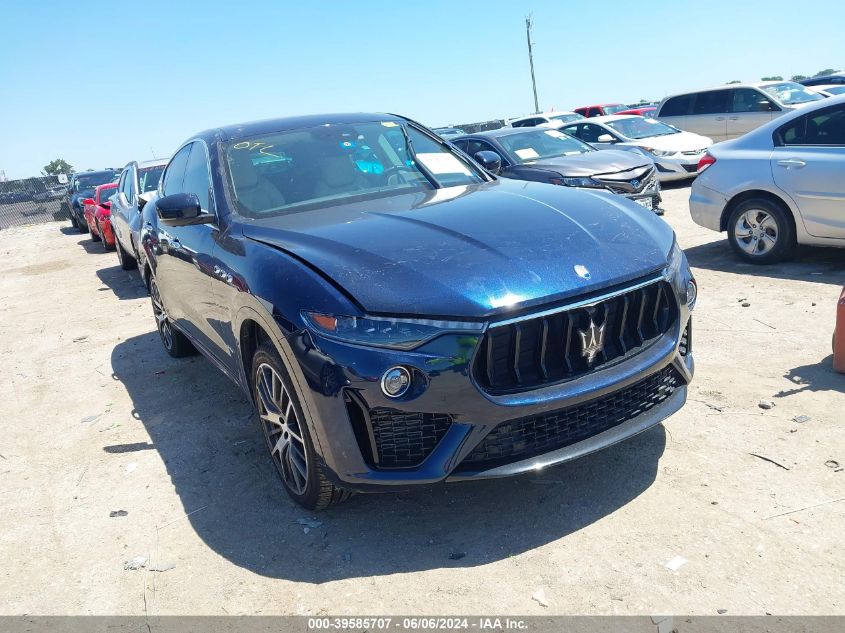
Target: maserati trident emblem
{"points": [[582, 271], [592, 341]]}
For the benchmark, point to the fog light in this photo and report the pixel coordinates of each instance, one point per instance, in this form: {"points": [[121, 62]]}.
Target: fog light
{"points": [[395, 382], [692, 294]]}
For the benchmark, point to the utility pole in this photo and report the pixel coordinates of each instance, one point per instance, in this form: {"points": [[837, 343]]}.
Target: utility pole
{"points": [[531, 60]]}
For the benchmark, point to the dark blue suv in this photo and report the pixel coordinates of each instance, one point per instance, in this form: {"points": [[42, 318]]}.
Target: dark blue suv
{"points": [[399, 316]]}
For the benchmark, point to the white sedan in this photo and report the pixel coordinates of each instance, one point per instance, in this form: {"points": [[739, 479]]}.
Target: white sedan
{"points": [[675, 153], [780, 185]]}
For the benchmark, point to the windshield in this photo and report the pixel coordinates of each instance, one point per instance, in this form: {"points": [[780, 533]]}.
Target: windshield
{"points": [[277, 173], [790, 93], [106, 193], [87, 182], [566, 118], [613, 109], [639, 127], [835, 90], [533, 145], [148, 178]]}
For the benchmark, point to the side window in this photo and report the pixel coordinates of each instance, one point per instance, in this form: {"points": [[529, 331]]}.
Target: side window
{"points": [[749, 100], [676, 106], [196, 175], [590, 133], [712, 102], [122, 181], [461, 145], [175, 172], [825, 127], [572, 130]]}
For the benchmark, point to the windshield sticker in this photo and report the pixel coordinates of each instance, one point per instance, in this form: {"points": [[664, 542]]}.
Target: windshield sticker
{"points": [[554, 133], [442, 163], [527, 153], [388, 123]]}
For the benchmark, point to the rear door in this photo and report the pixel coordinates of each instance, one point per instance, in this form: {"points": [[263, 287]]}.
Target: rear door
{"points": [[709, 114], [749, 109], [675, 111], [808, 163]]}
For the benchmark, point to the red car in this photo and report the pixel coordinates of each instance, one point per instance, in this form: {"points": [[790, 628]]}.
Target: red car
{"points": [[600, 110], [648, 111], [97, 212]]}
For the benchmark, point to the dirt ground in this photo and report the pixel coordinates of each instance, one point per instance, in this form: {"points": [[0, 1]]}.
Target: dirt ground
{"points": [[98, 421]]}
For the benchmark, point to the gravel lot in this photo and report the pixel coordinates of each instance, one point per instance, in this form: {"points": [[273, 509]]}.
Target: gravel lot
{"points": [[98, 420]]}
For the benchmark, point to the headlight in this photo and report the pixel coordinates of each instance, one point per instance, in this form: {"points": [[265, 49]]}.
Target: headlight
{"points": [[577, 182], [384, 332], [678, 273], [659, 152]]}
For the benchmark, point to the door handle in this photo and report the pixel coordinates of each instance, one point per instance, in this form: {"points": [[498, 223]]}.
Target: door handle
{"points": [[792, 162]]}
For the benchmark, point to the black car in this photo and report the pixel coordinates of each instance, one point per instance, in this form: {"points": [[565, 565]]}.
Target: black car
{"points": [[82, 186], [399, 316], [548, 155]]}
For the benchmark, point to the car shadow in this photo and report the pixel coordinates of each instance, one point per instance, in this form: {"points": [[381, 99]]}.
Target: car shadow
{"points": [[813, 378], [125, 284], [69, 230], [204, 430], [814, 264]]}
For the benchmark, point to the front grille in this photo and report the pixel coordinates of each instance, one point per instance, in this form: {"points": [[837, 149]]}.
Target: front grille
{"points": [[691, 168], [543, 350], [629, 185], [529, 437], [404, 440]]}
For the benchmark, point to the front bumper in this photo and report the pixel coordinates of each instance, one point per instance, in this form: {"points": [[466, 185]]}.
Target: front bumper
{"points": [[677, 167], [343, 380]]}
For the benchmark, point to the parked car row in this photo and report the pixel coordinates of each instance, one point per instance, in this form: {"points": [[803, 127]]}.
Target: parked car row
{"points": [[402, 312]]}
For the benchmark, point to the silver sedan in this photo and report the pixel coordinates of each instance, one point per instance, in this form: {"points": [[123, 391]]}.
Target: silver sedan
{"points": [[780, 185]]}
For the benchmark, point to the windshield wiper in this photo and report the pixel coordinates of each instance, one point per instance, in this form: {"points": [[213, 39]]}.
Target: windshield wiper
{"points": [[409, 148]]}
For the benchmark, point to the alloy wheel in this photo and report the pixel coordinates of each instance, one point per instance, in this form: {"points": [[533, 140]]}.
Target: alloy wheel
{"points": [[163, 323], [282, 428], [756, 232]]}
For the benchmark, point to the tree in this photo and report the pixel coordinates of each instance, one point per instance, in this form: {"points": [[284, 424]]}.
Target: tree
{"points": [[735, 81], [826, 71], [56, 167], [772, 78], [799, 77]]}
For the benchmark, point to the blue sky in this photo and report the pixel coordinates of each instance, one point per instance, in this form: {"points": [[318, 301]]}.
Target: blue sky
{"points": [[100, 84]]}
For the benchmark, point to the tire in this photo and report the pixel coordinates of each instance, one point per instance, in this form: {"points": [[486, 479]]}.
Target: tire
{"points": [[82, 226], [283, 422], [126, 261], [106, 246], [175, 343], [96, 237], [73, 220], [760, 231]]}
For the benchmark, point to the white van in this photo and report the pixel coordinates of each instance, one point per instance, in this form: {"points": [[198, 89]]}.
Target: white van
{"points": [[732, 110]]}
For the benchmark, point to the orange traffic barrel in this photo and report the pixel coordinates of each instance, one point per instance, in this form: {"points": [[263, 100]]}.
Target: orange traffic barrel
{"points": [[839, 335]]}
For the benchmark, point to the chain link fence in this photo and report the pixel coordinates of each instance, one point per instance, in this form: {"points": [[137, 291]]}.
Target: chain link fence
{"points": [[32, 201]]}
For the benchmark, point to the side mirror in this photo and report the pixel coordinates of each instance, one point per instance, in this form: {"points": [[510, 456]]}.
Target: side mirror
{"points": [[605, 138], [491, 161], [178, 208], [88, 201]]}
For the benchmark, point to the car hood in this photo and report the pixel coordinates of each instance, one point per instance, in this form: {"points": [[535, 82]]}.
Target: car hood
{"points": [[595, 163], [472, 252], [680, 142]]}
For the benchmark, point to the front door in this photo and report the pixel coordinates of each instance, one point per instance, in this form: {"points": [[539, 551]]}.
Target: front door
{"points": [[809, 163]]}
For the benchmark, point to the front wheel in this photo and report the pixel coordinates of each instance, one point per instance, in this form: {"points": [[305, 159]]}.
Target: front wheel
{"points": [[286, 431], [760, 232], [82, 225], [127, 262], [97, 235], [175, 343]]}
